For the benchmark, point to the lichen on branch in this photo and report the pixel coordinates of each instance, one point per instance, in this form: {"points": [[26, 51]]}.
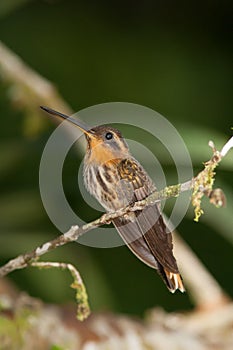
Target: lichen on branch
{"points": [[83, 308], [203, 184]]}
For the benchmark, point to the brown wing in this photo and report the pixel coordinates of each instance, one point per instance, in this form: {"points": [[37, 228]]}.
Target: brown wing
{"points": [[144, 231]]}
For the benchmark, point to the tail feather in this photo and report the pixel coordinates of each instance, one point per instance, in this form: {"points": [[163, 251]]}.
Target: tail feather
{"points": [[174, 281], [129, 231]]}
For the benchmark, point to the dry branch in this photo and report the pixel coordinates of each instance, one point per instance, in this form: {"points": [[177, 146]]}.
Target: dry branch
{"points": [[27, 89]]}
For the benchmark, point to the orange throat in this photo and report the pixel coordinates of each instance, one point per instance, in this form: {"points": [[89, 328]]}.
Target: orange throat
{"points": [[100, 154]]}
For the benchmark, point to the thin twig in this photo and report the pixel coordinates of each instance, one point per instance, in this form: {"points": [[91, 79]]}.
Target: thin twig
{"points": [[83, 309], [226, 148]]}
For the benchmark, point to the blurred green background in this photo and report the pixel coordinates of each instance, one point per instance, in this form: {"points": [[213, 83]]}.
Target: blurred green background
{"points": [[173, 57]]}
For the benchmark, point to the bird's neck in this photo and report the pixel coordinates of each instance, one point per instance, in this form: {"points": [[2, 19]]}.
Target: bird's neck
{"points": [[101, 155]]}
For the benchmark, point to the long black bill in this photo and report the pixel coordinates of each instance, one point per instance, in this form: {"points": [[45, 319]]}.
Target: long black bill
{"points": [[83, 126]]}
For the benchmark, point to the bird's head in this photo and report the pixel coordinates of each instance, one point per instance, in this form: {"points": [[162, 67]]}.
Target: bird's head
{"points": [[104, 143]]}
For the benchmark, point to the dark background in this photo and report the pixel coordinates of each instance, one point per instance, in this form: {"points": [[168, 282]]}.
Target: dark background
{"points": [[174, 57]]}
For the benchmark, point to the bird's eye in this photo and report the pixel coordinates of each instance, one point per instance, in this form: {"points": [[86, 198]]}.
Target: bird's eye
{"points": [[109, 136]]}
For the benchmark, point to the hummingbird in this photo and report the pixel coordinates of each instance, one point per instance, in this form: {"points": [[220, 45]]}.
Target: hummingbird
{"points": [[116, 179]]}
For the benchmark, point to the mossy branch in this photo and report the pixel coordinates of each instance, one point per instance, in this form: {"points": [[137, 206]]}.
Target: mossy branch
{"points": [[83, 309], [204, 181]]}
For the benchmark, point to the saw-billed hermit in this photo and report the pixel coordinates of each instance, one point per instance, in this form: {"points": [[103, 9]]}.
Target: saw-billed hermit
{"points": [[116, 179]]}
